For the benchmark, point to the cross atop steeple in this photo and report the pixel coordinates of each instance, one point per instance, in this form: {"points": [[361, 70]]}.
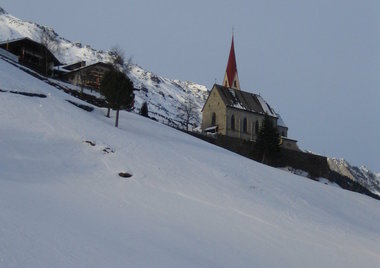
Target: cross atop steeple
{"points": [[231, 78]]}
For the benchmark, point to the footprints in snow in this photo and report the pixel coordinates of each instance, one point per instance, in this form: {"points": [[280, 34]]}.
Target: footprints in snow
{"points": [[107, 150]]}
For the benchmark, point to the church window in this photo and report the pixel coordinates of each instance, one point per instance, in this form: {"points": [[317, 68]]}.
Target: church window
{"points": [[213, 119], [245, 125], [257, 127], [233, 122], [235, 85]]}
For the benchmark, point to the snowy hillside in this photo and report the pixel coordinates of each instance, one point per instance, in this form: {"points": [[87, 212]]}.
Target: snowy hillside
{"points": [[164, 96], [362, 175], [188, 203]]}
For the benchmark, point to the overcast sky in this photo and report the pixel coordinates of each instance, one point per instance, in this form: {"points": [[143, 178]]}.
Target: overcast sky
{"points": [[316, 62]]}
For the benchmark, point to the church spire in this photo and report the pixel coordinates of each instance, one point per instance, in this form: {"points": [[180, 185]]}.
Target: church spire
{"points": [[231, 78]]}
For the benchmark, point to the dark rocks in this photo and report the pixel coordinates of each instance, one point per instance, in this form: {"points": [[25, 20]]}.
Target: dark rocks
{"points": [[82, 106], [125, 175], [28, 94]]}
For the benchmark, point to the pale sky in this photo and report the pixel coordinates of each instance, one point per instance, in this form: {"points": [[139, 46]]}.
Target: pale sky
{"points": [[316, 62]]}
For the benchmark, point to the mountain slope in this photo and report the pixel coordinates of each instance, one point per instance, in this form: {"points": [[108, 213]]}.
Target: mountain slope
{"points": [[164, 96], [362, 175], [188, 203]]}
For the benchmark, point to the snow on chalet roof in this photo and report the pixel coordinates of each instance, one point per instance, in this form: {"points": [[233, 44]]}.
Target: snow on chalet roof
{"points": [[29, 40], [15, 40], [244, 100], [104, 64]]}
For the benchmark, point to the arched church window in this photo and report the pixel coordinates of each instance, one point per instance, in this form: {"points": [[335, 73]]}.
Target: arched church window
{"points": [[245, 125], [257, 127], [233, 122], [213, 119]]}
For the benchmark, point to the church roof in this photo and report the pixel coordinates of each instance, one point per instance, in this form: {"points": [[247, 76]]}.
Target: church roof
{"points": [[231, 65], [243, 100], [280, 122]]}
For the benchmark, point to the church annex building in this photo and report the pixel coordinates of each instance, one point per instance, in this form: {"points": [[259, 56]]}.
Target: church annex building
{"points": [[232, 112]]}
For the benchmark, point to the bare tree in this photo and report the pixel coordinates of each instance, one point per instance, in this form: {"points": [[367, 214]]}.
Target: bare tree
{"points": [[119, 61], [187, 112], [118, 56], [49, 39], [120, 64]]}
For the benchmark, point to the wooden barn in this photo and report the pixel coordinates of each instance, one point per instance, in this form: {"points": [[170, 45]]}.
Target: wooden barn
{"points": [[32, 54]]}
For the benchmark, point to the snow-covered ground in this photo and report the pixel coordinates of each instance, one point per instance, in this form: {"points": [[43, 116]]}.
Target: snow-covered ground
{"points": [[188, 203]]}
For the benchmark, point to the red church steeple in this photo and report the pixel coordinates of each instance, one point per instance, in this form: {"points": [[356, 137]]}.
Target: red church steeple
{"points": [[231, 78]]}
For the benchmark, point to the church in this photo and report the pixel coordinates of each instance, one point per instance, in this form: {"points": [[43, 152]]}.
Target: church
{"points": [[233, 112]]}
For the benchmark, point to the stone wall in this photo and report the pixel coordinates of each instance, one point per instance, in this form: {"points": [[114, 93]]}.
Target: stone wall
{"points": [[315, 165]]}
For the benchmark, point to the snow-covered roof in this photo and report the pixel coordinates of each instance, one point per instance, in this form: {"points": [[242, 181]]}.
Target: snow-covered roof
{"points": [[61, 69], [33, 43], [244, 100], [15, 40], [107, 65]]}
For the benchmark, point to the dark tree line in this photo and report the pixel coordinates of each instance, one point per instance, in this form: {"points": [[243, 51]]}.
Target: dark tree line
{"points": [[117, 88], [268, 140], [144, 109]]}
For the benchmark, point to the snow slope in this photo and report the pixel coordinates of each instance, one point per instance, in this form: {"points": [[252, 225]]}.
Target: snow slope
{"points": [[188, 204], [164, 96]]}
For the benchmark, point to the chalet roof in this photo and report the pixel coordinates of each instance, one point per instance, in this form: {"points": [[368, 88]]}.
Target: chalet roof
{"points": [[15, 40], [243, 100], [35, 43], [74, 66], [99, 63]]}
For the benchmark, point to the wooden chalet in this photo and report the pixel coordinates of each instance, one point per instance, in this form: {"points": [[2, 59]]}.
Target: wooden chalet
{"points": [[89, 76], [32, 54]]}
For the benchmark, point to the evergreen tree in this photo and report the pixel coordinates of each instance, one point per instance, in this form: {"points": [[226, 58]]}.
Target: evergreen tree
{"points": [[117, 88], [268, 140], [144, 109]]}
